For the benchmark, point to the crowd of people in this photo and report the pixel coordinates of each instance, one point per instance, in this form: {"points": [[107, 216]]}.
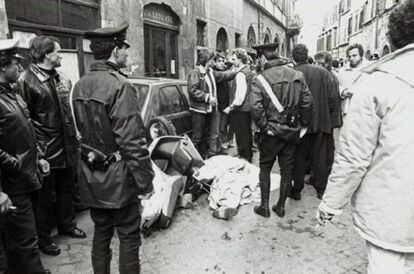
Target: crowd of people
{"points": [[348, 128], [308, 116]]}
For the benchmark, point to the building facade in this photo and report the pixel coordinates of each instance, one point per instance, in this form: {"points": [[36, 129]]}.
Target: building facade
{"points": [[357, 21], [165, 34]]}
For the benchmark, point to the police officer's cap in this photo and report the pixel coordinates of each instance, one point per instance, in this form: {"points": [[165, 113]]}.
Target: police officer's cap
{"points": [[8, 47], [266, 47], [117, 34]]}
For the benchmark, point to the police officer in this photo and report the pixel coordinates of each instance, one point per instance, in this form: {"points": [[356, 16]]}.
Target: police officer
{"points": [[281, 104], [115, 171], [19, 162]]}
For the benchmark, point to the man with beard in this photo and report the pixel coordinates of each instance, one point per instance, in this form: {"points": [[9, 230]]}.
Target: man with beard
{"points": [[316, 146], [46, 92], [350, 72], [19, 162], [374, 165]]}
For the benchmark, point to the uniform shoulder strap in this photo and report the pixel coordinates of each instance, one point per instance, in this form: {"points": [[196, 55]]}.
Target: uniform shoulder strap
{"points": [[270, 93]]}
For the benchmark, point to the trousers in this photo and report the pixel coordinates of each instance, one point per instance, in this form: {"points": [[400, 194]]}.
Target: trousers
{"points": [[21, 242], [61, 182], [206, 132], [270, 149], [317, 148], [383, 261], [126, 221], [241, 123]]}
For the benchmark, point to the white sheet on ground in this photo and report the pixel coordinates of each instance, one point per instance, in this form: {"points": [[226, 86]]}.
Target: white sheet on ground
{"points": [[235, 181]]}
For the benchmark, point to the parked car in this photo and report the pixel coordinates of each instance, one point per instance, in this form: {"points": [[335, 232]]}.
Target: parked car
{"points": [[164, 106]]}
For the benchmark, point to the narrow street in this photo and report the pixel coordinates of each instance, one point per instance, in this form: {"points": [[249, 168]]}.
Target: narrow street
{"points": [[198, 243]]}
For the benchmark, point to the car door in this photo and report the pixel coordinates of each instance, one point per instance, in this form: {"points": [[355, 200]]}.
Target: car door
{"points": [[173, 105]]}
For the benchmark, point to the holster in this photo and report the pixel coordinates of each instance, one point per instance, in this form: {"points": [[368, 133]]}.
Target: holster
{"points": [[96, 160]]}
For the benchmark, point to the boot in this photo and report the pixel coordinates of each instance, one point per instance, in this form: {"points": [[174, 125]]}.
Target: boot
{"points": [[102, 265], [263, 209], [130, 268], [279, 208]]}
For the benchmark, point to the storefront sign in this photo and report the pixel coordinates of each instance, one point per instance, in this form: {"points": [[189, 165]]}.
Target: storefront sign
{"points": [[160, 14]]}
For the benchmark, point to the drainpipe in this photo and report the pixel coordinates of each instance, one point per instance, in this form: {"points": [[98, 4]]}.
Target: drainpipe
{"points": [[376, 24], [258, 26]]}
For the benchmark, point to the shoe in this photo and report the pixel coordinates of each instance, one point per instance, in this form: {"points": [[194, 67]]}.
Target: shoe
{"points": [[319, 193], [264, 212], [76, 233], [279, 210], [295, 195], [50, 249], [225, 213], [263, 209]]}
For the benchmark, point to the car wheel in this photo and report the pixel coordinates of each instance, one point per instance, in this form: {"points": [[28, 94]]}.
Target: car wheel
{"points": [[159, 126]]}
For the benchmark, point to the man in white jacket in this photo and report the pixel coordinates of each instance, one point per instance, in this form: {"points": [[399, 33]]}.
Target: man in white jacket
{"points": [[374, 164], [349, 73]]}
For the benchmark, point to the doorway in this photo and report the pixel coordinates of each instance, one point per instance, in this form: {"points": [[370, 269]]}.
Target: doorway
{"points": [[160, 52]]}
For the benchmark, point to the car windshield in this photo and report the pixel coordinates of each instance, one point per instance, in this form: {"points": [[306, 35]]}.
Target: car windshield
{"points": [[142, 93]]}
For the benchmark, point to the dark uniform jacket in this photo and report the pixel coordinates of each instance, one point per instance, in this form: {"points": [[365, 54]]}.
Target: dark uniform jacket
{"points": [[290, 89], [108, 118], [199, 91], [18, 151], [47, 98], [319, 82]]}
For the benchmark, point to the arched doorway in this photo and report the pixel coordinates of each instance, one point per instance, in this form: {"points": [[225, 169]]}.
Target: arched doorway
{"points": [[368, 55], [161, 26], [276, 39], [251, 37], [222, 41], [267, 37], [282, 49], [386, 50]]}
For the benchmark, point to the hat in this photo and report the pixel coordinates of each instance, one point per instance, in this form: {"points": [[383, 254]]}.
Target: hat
{"points": [[8, 46], [117, 34], [265, 47]]}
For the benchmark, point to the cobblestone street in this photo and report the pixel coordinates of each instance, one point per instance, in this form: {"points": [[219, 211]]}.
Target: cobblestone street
{"points": [[198, 243]]}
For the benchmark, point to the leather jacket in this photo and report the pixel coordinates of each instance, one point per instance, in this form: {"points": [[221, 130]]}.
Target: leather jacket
{"points": [[108, 118], [47, 98], [18, 151], [199, 90], [290, 89]]}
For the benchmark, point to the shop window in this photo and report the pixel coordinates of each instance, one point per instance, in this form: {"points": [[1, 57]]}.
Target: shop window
{"points": [[72, 14], [44, 12], [77, 16], [201, 33]]}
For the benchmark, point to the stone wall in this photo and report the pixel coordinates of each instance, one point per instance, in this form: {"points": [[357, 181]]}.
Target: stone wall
{"points": [[4, 28]]}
